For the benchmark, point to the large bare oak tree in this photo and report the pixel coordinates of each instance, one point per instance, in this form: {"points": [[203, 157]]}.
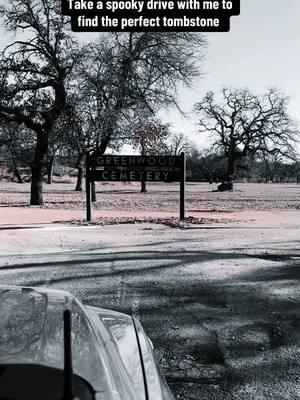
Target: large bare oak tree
{"points": [[243, 124], [125, 71], [34, 70]]}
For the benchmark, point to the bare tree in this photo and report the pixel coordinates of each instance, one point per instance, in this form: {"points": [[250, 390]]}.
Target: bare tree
{"points": [[78, 140], [179, 143], [150, 136], [137, 69], [244, 124], [34, 71], [17, 145], [73, 136], [56, 146], [125, 71]]}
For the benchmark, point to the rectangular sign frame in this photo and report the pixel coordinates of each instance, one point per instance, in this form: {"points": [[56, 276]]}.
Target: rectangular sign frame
{"points": [[124, 168]]}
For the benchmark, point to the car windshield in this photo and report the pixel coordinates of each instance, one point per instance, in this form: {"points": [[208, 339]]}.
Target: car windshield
{"points": [[31, 332]]}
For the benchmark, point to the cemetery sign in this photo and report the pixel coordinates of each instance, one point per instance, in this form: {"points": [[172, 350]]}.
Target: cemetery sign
{"points": [[135, 169]]}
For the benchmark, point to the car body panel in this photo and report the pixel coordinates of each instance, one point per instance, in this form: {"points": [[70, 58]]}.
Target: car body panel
{"points": [[109, 349], [157, 387], [122, 333]]}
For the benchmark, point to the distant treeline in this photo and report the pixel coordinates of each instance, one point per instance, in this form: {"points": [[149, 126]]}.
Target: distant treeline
{"points": [[201, 167], [212, 167]]}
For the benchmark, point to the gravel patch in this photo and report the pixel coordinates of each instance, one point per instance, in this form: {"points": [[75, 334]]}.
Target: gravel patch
{"points": [[171, 221]]}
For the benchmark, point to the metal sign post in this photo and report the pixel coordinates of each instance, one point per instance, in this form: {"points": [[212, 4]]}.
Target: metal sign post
{"points": [[88, 190], [182, 187], [135, 169]]}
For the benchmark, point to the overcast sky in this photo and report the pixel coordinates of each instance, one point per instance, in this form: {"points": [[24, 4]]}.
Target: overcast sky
{"points": [[261, 50]]}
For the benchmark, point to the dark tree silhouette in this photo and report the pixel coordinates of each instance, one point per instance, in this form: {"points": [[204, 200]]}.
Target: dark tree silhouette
{"points": [[126, 71], [244, 124], [150, 136], [34, 71], [138, 69], [16, 146]]}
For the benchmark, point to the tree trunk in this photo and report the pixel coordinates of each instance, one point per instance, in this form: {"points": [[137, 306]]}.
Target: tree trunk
{"points": [[267, 170], [79, 166], [18, 175], [42, 136], [16, 171], [50, 164], [101, 148], [15, 168], [231, 167], [37, 169], [143, 187], [248, 174]]}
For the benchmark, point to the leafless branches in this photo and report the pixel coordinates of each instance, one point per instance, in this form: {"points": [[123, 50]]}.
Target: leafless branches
{"points": [[245, 124], [34, 73], [136, 70]]}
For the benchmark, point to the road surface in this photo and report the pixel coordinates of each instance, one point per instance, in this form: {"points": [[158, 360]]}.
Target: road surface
{"points": [[220, 302]]}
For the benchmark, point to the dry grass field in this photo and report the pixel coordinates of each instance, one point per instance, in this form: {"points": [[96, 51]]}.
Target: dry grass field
{"points": [[160, 197]]}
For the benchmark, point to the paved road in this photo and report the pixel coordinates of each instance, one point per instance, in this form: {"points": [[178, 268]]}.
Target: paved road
{"points": [[220, 302]]}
